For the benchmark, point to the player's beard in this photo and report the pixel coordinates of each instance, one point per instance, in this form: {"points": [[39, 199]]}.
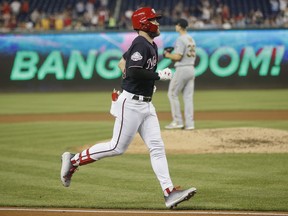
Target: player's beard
{"points": [[154, 34]]}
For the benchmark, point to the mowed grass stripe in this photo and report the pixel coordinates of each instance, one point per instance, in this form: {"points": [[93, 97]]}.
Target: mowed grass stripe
{"points": [[51, 131], [230, 182], [87, 102]]}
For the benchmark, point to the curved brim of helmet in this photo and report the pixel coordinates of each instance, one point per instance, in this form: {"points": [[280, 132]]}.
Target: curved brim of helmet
{"points": [[157, 16]]}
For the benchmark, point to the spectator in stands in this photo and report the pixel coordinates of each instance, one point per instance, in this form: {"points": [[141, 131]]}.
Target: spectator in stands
{"points": [[199, 24], [104, 3], [12, 25], [94, 20], [5, 8], [274, 6], [90, 8], [177, 10], [226, 24], [59, 22], [204, 14], [258, 17], [124, 23], [67, 19], [218, 9], [86, 20], [80, 8], [5, 15], [45, 22], [225, 13], [52, 19], [15, 7], [103, 16], [285, 18], [283, 4], [240, 20], [111, 22], [25, 7], [35, 16]]}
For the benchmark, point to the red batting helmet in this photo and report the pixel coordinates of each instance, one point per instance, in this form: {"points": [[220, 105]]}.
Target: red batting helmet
{"points": [[141, 19]]}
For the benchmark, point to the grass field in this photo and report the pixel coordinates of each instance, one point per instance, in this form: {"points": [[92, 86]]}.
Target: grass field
{"points": [[30, 157], [23, 103]]}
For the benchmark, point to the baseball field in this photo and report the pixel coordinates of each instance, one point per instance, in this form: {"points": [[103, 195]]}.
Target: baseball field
{"points": [[236, 157]]}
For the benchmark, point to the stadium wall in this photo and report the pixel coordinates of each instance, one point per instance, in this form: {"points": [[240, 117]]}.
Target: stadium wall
{"points": [[234, 59]]}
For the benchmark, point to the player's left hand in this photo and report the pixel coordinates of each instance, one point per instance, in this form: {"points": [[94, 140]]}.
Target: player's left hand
{"points": [[165, 74]]}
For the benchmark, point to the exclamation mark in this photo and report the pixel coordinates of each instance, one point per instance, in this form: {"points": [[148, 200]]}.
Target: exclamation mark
{"points": [[278, 53]]}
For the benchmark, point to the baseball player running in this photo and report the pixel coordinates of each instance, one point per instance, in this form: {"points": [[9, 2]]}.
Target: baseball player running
{"points": [[134, 110], [183, 80]]}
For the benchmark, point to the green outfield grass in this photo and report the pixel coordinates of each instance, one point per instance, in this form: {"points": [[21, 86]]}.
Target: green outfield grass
{"points": [[22, 103], [30, 158]]}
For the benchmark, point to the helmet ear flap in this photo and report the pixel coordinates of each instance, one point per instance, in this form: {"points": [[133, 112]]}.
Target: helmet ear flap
{"points": [[145, 25]]}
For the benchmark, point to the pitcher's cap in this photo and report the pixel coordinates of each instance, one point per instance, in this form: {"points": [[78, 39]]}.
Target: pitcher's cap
{"points": [[182, 22]]}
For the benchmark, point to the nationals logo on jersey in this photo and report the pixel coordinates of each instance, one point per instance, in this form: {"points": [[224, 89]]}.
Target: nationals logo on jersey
{"points": [[151, 63], [136, 56]]}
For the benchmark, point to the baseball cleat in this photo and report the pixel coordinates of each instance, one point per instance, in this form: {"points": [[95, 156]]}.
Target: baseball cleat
{"points": [[67, 169], [174, 125], [189, 128], [178, 196]]}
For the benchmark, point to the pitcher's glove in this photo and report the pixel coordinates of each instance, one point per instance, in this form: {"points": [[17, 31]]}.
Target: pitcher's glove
{"points": [[167, 50]]}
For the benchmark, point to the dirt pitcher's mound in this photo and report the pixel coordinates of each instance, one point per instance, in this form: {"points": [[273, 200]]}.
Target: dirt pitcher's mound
{"points": [[225, 140]]}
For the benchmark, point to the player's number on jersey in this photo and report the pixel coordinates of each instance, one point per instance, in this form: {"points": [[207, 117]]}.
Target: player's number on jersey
{"points": [[191, 50]]}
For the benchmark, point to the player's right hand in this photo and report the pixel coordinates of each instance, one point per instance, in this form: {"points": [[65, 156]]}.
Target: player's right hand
{"points": [[165, 74]]}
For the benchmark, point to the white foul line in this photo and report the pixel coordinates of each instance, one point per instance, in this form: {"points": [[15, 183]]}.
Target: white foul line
{"points": [[147, 212]]}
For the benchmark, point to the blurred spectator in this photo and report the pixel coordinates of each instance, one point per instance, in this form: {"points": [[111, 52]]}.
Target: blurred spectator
{"points": [[128, 13], [5, 8], [285, 18], [178, 9], [25, 7], [274, 6], [206, 13], [67, 20], [104, 3], [80, 8], [35, 16], [59, 22], [199, 24], [5, 15], [226, 24], [85, 15], [52, 19], [90, 7], [239, 20], [124, 23], [12, 25], [225, 13], [94, 21], [103, 16], [283, 4], [15, 7], [45, 22], [112, 24], [86, 20], [258, 17]]}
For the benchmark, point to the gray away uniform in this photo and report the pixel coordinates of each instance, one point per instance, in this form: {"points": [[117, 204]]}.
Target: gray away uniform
{"points": [[183, 81]]}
